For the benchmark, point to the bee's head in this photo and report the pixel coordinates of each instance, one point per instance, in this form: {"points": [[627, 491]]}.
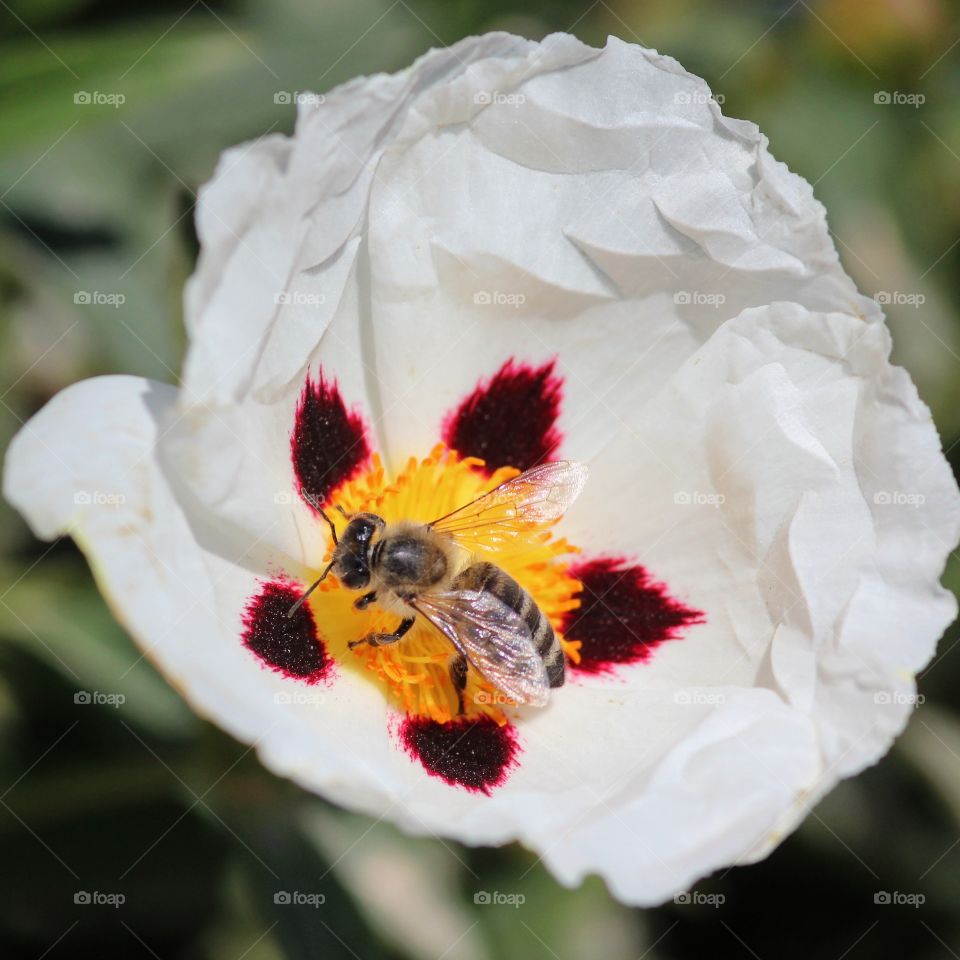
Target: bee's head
{"points": [[351, 559]]}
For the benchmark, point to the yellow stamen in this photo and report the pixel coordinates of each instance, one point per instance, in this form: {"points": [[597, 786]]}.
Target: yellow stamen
{"points": [[414, 671]]}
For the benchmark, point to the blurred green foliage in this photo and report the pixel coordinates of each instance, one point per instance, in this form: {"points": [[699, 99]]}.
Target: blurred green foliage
{"points": [[147, 799]]}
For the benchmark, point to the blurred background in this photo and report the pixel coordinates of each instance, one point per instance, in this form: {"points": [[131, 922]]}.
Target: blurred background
{"points": [[111, 115]]}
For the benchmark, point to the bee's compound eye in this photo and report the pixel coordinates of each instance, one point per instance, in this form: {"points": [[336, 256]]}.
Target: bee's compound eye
{"points": [[360, 530], [354, 572], [365, 530]]}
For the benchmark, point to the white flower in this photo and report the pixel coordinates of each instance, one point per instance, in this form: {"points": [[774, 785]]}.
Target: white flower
{"points": [[528, 250]]}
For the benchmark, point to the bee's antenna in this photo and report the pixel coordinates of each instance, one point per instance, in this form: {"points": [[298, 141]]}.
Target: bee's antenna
{"points": [[313, 586], [333, 529]]}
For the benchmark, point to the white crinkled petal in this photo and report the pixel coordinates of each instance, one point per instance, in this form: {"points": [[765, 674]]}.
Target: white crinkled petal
{"points": [[749, 443], [792, 486], [606, 214], [282, 218], [581, 195], [180, 583], [744, 723], [233, 461]]}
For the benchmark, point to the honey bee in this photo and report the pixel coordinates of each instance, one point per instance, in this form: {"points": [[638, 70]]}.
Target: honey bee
{"points": [[433, 570]]}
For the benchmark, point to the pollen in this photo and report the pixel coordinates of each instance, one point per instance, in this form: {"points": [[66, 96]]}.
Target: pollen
{"points": [[414, 672]]}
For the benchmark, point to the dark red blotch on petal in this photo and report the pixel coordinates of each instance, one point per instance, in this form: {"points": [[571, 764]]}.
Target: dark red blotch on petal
{"points": [[476, 754], [509, 421], [623, 616], [289, 645], [328, 444]]}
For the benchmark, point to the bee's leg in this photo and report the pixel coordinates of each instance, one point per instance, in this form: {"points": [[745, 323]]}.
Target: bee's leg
{"points": [[458, 674], [382, 639], [361, 603]]}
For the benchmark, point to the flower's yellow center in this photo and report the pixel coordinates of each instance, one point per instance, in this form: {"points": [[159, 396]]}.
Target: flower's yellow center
{"points": [[414, 672]]}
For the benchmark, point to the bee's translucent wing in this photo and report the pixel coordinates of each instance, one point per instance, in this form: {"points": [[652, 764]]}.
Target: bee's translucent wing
{"points": [[538, 496], [494, 639]]}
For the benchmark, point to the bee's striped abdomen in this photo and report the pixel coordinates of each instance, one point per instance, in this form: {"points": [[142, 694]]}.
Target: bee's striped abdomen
{"points": [[490, 578]]}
